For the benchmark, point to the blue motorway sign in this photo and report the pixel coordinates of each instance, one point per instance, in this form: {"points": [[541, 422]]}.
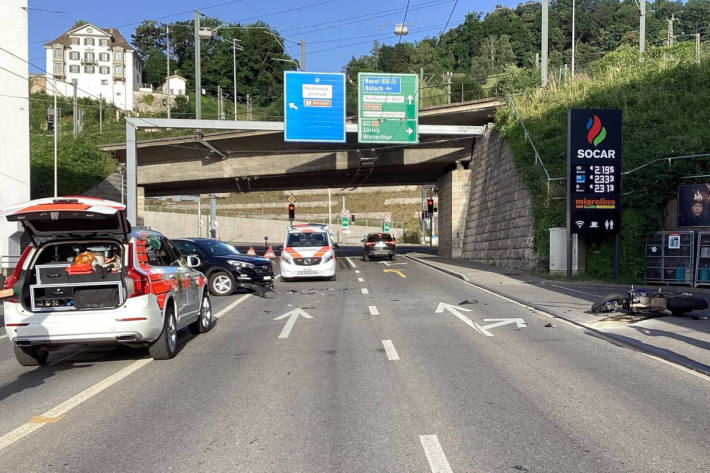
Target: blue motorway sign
{"points": [[314, 106]]}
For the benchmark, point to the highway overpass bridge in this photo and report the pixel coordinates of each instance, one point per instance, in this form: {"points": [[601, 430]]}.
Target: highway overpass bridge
{"points": [[258, 159]]}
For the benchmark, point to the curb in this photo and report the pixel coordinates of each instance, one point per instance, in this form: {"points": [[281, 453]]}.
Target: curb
{"points": [[626, 342]]}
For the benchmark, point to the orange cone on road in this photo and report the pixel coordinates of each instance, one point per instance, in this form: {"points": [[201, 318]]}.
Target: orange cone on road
{"points": [[251, 251], [269, 253]]}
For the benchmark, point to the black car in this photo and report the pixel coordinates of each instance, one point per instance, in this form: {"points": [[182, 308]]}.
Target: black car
{"points": [[227, 269], [379, 245]]}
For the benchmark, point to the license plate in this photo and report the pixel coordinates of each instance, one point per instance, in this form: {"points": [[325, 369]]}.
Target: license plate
{"points": [[267, 278]]}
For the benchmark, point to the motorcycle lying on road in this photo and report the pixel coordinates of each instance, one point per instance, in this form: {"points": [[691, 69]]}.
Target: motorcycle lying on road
{"points": [[641, 301]]}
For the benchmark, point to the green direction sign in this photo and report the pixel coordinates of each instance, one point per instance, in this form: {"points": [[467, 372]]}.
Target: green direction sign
{"points": [[386, 227], [387, 108], [345, 221]]}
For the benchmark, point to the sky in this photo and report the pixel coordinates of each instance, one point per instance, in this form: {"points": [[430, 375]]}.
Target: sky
{"points": [[333, 30]]}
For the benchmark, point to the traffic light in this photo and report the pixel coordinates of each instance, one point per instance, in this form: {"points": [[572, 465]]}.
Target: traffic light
{"points": [[430, 206], [291, 211], [352, 218]]}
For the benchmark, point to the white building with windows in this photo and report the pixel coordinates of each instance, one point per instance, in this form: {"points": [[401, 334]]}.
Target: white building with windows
{"points": [[101, 62], [177, 85]]}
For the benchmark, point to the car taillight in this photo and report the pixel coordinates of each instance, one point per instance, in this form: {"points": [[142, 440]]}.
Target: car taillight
{"points": [[141, 281], [12, 279], [370, 243], [390, 243]]}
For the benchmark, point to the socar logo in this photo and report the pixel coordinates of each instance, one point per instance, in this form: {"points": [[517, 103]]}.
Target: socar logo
{"points": [[595, 131]]}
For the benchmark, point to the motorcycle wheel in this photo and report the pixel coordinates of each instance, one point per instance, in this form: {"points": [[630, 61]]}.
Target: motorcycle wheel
{"points": [[609, 303], [679, 305]]}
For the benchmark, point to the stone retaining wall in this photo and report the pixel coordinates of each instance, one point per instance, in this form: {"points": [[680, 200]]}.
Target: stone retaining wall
{"points": [[499, 223]]}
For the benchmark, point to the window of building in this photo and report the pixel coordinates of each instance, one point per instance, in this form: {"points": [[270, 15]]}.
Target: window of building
{"points": [[118, 56], [88, 41], [89, 68], [104, 70], [103, 57], [104, 81], [74, 40], [103, 42], [118, 70], [58, 52], [74, 69], [74, 55], [58, 67], [89, 57]]}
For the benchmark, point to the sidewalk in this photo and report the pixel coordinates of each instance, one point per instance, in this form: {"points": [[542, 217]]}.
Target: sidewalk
{"points": [[681, 340]]}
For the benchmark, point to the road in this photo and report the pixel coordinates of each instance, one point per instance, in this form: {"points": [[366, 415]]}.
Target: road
{"points": [[375, 381]]}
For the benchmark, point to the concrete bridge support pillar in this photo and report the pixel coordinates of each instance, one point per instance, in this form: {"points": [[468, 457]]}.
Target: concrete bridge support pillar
{"points": [[454, 189], [140, 206]]}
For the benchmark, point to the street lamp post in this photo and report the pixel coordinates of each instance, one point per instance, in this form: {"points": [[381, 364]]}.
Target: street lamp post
{"points": [[234, 73], [198, 78]]}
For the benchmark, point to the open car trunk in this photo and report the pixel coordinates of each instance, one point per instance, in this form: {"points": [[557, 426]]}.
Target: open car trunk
{"points": [[75, 275]]}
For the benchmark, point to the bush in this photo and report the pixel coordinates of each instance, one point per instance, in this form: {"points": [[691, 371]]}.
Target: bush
{"points": [[148, 98], [412, 236]]}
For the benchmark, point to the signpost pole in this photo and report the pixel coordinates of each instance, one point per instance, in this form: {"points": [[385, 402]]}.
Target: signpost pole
{"points": [[617, 247]]}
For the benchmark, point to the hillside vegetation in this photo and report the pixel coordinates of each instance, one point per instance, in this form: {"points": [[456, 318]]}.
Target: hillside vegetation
{"points": [[665, 114]]}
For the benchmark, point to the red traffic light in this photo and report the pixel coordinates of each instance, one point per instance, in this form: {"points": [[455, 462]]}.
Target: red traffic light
{"points": [[430, 206], [291, 211]]}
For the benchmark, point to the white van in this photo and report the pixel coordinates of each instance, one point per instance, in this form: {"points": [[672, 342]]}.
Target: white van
{"points": [[308, 252]]}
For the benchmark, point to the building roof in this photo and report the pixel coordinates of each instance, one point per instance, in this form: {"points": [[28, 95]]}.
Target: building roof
{"points": [[175, 76], [117, 38]]}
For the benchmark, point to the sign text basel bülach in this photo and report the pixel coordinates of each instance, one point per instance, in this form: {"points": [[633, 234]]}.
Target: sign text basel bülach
{"points": [[594, 171]]}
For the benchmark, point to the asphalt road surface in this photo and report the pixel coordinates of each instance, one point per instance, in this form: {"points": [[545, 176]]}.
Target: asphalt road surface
{"points": [[361, 374]]}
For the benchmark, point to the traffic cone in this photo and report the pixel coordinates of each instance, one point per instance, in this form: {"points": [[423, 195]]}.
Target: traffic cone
{"points": [[270, 253], [251, 251]]}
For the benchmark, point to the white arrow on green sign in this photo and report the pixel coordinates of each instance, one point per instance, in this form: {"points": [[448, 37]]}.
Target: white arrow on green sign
{"points": [[388, 108]]}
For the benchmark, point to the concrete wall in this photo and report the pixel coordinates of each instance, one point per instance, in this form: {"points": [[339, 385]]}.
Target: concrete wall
{"points": [[454, 189], [14, 125], [499, 222], [242, 229]]}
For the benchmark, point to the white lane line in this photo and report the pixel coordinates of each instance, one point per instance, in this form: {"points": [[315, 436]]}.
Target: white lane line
{"points": [[373, 310], [390, 350], [360, 280], [435, 454], [68, 356], [352, 265], [364, 290], [231, 306], [58, 411], [357, 271], [3, 336]]}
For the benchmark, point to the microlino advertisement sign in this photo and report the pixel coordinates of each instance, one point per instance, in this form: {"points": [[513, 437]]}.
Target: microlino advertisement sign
{"points": [[594, 171]]}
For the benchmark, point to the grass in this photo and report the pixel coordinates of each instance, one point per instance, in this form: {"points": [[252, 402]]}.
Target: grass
{"points": [[664, 107]]}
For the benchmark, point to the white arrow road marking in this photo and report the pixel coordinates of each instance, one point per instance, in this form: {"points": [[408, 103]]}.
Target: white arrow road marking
{"points": [[435, 454], [373, 310], [455, 310], [292, 105], [292, 316], [392, 354], [520, 323]]}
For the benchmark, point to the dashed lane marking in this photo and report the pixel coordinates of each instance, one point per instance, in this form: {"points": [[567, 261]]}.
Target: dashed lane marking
{"points": [[435, 454], [392, 354], [364, 290], [360, 280], [352, 265], [373, 310]]}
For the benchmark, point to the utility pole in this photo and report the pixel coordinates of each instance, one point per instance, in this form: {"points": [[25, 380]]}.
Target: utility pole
{"points": [[543, 45], [167, 53], [697, 48], [75, 111], [303, 54], [448, 87], [101, 114], [248, 107], [670, 29], [213, 216], [234, 73], [56, 121], [573, 3], [198, 78], [199, 216], [642, 29]]}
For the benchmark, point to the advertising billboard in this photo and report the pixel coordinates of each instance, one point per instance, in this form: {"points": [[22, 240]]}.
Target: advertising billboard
{"points": [[594, 171], [694, 205]]}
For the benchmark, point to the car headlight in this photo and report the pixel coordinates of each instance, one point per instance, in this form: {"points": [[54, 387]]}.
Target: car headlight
{"points": [[240, 264], [286, 257], [328, 256]]}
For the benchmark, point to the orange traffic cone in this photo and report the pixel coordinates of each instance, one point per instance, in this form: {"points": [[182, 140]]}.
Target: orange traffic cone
{"points": [[251, 251], [269, 253]]}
